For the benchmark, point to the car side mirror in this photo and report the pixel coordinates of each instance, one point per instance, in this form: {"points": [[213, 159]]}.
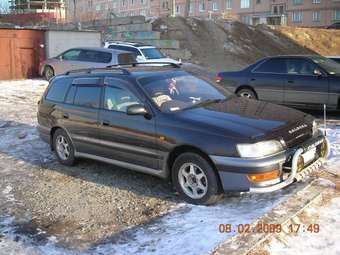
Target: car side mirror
{"points": [[139, 58], [137, 109], [317, 72]]}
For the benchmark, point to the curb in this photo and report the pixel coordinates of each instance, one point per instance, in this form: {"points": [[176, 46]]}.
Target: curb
{"points": [[242, 244]]}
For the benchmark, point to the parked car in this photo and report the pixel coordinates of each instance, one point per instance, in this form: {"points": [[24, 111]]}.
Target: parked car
{"points": [[168, 123], [78, 58], [334, 58], [335, 25], [298, 81], [144, 53]]}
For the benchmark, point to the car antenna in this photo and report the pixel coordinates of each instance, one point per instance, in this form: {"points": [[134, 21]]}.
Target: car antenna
{"points": [[325, 119]]}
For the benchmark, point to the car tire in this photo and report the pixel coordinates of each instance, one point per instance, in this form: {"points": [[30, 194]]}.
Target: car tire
{"points": [[48, 73], [63, 148], [195, 180], [247, 93]]}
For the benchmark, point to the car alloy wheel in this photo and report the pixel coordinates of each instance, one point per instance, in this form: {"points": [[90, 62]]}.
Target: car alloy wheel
{"points": [[193, 180], [62, 147]]}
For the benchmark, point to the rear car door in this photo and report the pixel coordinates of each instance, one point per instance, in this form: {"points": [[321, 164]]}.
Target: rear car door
{"points": [[303, 87], [80, 114], [126, 138], [94, 59], [268, 80]]}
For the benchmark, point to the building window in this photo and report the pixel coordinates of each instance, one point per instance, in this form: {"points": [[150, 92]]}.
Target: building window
{"points": [[190, 7], [98, 7], [316, 1], [316, 16], [297, 16], [245, 4], [178, 9], [201, 7], [123, 2], [142, 12], [245, 19], [228, 4], [215, 6], [336, 15], [297, 2], [132, 2], [258, 1]]}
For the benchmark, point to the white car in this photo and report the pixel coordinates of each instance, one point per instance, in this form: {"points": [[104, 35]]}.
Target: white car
{"points": [[144, 53]]}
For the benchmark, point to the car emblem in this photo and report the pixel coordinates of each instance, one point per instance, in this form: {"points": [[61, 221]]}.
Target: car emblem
{"points": [[293, 130]]}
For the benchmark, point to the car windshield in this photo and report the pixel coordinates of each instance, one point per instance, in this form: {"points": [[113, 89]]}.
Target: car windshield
{"points": [[178, 91], [329, 65], [152, 53]]}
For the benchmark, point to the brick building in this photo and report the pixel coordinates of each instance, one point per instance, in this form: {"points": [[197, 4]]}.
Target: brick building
{"points": [[307, 13]]}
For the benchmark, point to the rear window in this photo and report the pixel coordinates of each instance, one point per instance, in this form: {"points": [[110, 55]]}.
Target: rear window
{"points": [[276, 65], [87, 96], [126, 58], [58, 89]]}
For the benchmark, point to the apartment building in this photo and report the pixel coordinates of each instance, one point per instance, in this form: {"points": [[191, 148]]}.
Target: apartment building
{"points": [[307, 13]]}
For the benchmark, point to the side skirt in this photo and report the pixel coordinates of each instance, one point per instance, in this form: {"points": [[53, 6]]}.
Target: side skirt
{"points": [[159, 173]]}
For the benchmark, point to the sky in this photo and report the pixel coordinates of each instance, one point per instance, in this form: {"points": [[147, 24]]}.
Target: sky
{"points": [[3, 4]]}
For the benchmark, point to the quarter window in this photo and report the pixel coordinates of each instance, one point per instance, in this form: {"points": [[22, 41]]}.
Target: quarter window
{"points": [[272, 66], [95, 56], [118, 99], [58, 89], [87, 96]]}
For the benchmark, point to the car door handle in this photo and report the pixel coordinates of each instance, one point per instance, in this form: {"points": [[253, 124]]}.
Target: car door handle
{"points": [[106, 123], [290, 81], [65, 115]]}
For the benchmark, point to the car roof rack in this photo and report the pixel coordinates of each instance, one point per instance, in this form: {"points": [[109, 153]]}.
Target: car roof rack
{"points": [[153, 64], [103, 69]]}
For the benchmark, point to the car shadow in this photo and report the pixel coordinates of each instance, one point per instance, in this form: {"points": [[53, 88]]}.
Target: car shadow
{"points": [[21, 142]]}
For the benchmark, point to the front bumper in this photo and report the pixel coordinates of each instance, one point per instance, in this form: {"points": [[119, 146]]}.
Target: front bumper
{"points": [[233, 171]]}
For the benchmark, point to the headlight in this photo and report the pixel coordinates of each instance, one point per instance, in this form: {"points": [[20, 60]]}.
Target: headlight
{"points": [[315, 127], [259, 149]]}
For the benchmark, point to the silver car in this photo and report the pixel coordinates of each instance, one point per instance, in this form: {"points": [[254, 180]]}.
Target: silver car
{"points": [[79, 58]]}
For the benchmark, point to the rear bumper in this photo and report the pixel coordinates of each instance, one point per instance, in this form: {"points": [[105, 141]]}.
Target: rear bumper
{"points": [[234, 172]]}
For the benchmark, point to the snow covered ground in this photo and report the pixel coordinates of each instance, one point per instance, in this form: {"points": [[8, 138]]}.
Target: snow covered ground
{"points": [[185, 229]]}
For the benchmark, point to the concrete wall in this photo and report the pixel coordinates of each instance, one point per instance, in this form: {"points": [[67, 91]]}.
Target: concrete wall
{"points": [[57, 42]]}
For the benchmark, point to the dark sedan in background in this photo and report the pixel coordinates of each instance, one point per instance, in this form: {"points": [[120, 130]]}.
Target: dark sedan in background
{"points": [[297, 81]]}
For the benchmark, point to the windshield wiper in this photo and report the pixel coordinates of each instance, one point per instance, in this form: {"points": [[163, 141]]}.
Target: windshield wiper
{"points": [[205, 102]]}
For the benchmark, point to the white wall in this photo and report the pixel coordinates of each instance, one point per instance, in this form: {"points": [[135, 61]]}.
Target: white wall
{"points": [[57, 42]]}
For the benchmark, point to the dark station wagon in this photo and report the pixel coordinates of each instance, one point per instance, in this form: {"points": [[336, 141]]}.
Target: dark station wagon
{"points": [[167, 122]]}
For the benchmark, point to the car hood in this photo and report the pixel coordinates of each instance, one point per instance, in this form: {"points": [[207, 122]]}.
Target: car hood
{"points": [[251, 119]]}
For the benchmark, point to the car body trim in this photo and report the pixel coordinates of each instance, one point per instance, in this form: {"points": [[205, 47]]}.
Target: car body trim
{"points": [[250, 163], [138, 149], [156, 172]]}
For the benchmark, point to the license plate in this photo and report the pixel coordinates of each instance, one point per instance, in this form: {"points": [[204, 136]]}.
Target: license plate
{"points": [[309, 155]]}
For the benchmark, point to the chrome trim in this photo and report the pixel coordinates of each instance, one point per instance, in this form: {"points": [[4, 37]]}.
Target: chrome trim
{"points": [[250, 162], [156, 172], [115, 145]]}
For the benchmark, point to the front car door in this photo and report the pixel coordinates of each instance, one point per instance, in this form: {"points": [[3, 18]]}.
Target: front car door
{"points": [[268, 80], [306, 85], [81, 112], [126, 138]]}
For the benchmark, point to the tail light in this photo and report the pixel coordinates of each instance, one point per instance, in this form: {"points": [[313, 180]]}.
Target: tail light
{"points": [[218, 79]]}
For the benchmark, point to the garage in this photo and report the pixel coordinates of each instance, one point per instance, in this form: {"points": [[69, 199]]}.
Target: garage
{"points": [[20, 53]]}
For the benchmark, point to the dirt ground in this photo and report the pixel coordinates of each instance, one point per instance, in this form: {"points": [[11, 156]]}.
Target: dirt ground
{"points": [[224, 45]]}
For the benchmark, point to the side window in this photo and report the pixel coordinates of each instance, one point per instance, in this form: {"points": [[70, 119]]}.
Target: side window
{"points": [[276, 65], [71, 55], [118, 99], [95, 56], [87, 96], [58, 89], [70, 95], [300, 66]]}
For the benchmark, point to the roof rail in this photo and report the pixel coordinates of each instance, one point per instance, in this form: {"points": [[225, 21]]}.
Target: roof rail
{"points": [[155, 64], [91, 70]]}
